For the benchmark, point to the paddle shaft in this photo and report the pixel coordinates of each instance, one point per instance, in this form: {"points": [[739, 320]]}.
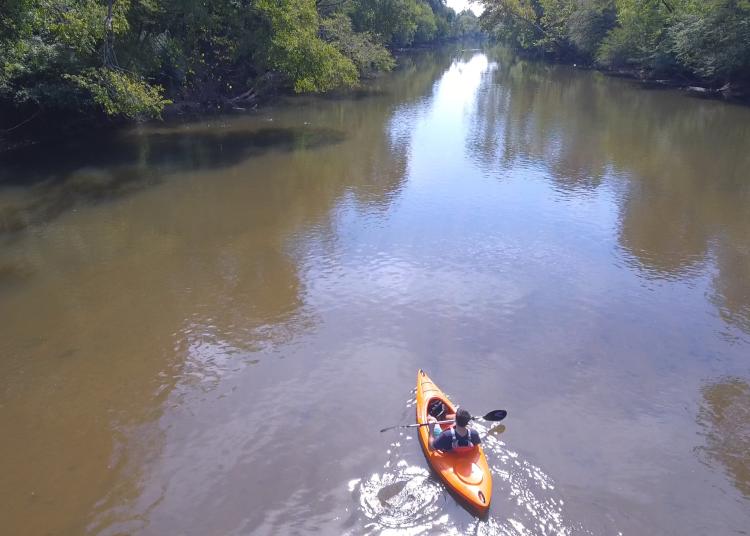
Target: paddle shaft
{"points": [[494, 415], [433, 422], [416, 425], [437, 422]]}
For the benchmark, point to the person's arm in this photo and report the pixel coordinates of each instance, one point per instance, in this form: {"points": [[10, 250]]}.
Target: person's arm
{"points": [[475, 439], [431, 432], [446, 417]]}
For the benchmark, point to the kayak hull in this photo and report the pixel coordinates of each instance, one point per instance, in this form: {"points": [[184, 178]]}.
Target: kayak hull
{"points": [[465, 473]]}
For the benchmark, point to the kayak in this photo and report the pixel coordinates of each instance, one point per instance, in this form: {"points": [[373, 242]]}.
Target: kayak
{"points": [[465, 472]]}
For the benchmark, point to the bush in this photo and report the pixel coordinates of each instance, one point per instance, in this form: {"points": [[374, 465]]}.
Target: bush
{"points": [[640, 39], [714, 41], [122, 94], [298, 52], [589, 24], [368, 55]]}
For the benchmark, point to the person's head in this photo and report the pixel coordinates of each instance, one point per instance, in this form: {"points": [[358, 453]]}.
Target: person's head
{"points": [[462, 417]]}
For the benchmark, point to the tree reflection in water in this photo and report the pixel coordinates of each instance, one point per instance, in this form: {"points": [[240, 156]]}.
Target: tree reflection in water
{"points": [[677, 166], [725, 419]]}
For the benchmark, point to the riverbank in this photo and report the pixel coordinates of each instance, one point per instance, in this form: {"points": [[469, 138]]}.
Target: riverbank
{"points": [[31, 126], [735, 92], [702, 48], [41, 128], [730, 92], [66, 68]]}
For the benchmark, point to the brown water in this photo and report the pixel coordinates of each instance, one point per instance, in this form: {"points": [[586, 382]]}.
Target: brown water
{"points": [[204, 326]]}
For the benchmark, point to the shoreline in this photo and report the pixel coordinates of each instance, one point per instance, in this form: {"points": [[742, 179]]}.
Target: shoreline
{"points": [[43, 129], [270, 89], [729, 92]]}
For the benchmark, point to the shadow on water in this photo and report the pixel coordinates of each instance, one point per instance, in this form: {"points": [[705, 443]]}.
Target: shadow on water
{"points": [[358, 94], [724, 417], [170, 149], [57, 180]]}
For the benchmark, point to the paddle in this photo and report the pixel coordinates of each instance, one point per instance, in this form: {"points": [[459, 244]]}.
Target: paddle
{"points": [[494, 415], [495, 431]]}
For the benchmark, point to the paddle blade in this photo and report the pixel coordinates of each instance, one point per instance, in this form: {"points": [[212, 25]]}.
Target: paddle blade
{"points": [[496, 415]]}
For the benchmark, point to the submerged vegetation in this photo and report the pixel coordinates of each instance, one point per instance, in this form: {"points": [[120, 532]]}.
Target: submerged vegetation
{"points": [[702, 41], [83, 59]]}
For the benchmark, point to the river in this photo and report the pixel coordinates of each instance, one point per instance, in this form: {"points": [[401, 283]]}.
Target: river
{"points": [[204, 325]]}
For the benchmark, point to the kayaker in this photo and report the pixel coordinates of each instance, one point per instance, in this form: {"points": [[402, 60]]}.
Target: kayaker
{"points": [[457, 436]]}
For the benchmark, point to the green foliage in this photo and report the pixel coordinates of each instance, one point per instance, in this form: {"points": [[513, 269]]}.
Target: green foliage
{"points": [[120, 93], [79, 25], [393, 21], [403, 22], [517, 22], [362, 48], [297, 51], [467, 24], [130, 57], [426, 23], [51, 52], [589, 24], [713, 39], [708, 39], [640, 39], [554, 18]]}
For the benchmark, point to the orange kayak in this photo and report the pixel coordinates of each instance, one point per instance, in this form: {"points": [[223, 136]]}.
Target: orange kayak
{"points": [[465, 472]]}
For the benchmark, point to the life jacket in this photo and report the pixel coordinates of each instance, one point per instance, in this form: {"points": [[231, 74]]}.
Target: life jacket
{"points": [[457, 440]]}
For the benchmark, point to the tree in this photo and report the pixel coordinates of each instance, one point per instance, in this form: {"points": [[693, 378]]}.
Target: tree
{"points": [[393, 21], [713, 39], [467, 24], [589, 24], [640, 38], [520, 23], [54, 56], [297, 51], [128, 58], [362, 48], [426, 23]]}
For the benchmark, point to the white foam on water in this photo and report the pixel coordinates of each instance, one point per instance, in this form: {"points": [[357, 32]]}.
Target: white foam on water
{"points": [[406, 498]]}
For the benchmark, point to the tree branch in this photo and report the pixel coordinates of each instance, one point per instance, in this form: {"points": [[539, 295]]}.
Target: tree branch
{"points": [[108, 51], [535, 25], [22, 123]]}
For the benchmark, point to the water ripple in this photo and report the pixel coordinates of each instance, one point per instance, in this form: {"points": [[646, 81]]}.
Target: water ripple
{"points": [[407, 498], [402, 497]]}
